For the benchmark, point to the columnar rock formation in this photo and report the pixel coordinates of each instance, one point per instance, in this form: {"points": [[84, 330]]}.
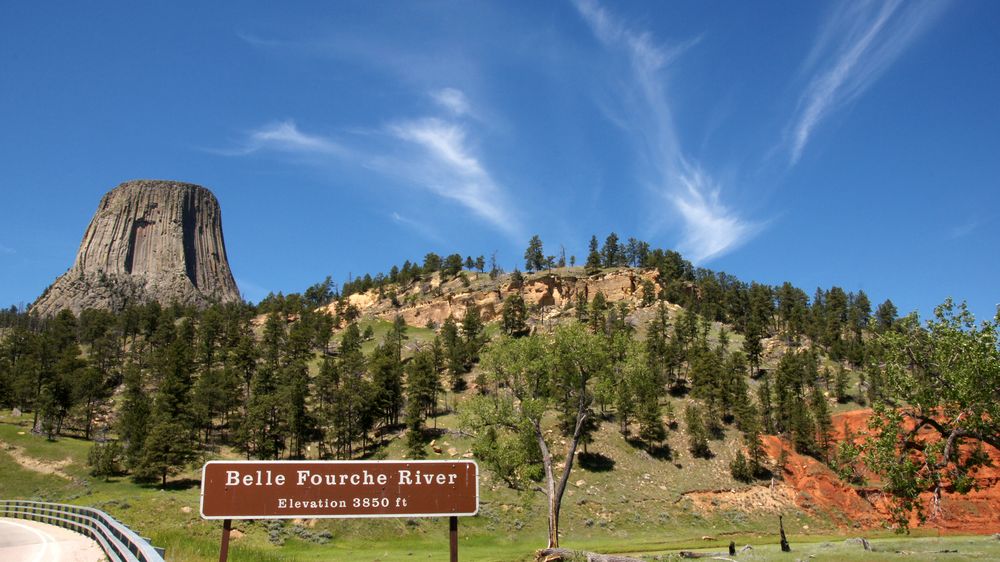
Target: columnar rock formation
{"points": [[149, 240]]}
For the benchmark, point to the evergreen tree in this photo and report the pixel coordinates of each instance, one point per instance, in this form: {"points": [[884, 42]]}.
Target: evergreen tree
{"points": [[611, 252], [133, 417], [581, 308], [534, 257], [295, 397], [262, 427], [593, 265], [597, 315], [885, 316], [171, 443], [513, 316], [386, 370], [472, 334], [454, 352], [451, 267], [824, 424], [432, 263], [740, 468], [840, 385], [697, 434]]}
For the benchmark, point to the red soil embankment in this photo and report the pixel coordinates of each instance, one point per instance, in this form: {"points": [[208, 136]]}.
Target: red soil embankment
{"points": [[818, 489]]}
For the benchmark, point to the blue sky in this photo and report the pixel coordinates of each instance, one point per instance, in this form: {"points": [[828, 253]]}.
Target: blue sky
{"points": [[853, 144]]}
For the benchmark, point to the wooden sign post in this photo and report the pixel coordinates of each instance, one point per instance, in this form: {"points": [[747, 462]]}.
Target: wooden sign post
{"points": [[338, 489]]}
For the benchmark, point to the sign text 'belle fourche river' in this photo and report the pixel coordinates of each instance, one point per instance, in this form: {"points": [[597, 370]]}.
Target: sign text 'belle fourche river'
{"points": [[304, 489]]}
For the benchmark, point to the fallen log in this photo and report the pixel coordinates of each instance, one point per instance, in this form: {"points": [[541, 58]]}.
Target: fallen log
{"points": [[714, 555], [558, 554]]}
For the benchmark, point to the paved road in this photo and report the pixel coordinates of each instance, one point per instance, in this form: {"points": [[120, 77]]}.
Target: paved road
{"points": [[29, 541]]}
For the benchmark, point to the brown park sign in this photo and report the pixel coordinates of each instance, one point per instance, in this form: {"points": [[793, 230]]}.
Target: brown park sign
{"points": [[307, 489]]}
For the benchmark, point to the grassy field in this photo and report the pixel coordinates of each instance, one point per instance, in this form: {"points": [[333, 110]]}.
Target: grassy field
{"points": [[623, 501]]}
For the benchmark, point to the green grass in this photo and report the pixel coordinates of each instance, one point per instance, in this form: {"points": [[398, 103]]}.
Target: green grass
{"points": [[638, 507], [380, 328]]}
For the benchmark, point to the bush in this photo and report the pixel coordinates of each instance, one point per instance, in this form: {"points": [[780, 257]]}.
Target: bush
{"points": [[740, 468], [105, 459]]}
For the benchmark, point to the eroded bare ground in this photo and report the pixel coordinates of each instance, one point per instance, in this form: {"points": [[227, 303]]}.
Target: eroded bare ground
{"points": [[756, 499], [36, 465]]}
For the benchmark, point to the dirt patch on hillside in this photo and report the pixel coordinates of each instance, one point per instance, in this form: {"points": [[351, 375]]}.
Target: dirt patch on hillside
{"points": [[756, 499], [31, 463]]}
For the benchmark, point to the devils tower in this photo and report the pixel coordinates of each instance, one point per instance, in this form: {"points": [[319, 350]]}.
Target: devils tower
{"points": [[150, 240]]}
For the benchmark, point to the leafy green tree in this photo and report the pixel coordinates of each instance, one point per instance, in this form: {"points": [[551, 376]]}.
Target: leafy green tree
{"points": [[940, 378], [104, 459], [530, 377]]}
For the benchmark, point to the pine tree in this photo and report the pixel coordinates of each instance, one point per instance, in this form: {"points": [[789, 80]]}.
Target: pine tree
{"points": [[171, 443], [593, 265], [740, 468], [597, 314], [697, 434], [840, 385], [454, 351], [534, 257], [513, 316], [295, 397], [472, 334], [611, 252], [133, 417], [824, 424]]}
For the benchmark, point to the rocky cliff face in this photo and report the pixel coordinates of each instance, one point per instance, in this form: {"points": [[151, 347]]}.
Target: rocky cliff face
{"points": [[549, 293], [149, 240]]}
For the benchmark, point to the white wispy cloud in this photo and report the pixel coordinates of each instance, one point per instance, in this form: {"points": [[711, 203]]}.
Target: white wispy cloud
{"points": [[450, 169], [963, 230], [451, 99], [7, 250], [858, 42], [710, 228], [420, 228], [285, 136], [434, 153]]}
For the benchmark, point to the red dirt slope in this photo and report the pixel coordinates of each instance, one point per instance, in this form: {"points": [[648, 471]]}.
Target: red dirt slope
{"points": [[818, 489]]}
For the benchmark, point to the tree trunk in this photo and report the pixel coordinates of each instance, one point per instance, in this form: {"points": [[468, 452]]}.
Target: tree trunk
{"points": [[553, 490], [549, 486]]}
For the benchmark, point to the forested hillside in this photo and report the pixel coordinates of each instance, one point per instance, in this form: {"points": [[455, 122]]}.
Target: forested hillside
{"points": [[683, 363]]}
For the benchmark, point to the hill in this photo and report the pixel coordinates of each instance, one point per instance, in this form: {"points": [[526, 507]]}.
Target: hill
{"points": [[291, 360]]}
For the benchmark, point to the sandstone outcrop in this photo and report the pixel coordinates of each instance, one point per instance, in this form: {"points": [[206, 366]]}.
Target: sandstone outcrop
{"points": [[149, 240], [433, 301]]}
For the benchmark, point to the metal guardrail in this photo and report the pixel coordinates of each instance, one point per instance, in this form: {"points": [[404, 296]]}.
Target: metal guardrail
{"points": [[119, 543]]}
